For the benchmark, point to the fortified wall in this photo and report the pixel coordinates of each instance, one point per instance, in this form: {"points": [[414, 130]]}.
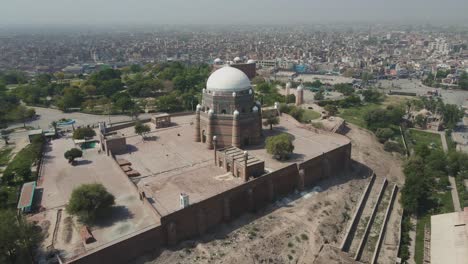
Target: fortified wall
{"points": [[198, 218]]}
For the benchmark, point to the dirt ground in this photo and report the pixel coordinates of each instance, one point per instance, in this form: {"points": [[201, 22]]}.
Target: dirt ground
{"points": [[301, 228]]}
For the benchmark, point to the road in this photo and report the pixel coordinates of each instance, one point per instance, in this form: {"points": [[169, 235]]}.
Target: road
{"points": [[47, 115]]}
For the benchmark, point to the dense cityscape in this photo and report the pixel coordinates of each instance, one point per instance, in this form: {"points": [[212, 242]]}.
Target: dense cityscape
{"points": [[397, 51]]}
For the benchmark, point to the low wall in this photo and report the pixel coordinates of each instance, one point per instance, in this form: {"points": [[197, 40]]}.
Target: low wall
{"points": [[357, 215], [126, 248], [125, 125], [384, 224], [197, 218], [360, 249]]}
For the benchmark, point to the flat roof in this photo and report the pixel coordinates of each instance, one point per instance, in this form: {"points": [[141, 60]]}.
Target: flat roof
{"points": [[27, 195], [35, 132], [449, 238]]}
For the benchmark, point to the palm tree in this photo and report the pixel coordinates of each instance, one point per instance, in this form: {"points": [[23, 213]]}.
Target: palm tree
{"points": [[54, 125]]}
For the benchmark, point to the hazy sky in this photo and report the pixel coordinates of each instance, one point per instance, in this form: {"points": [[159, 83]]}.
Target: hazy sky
{"points": [[40, 12]]}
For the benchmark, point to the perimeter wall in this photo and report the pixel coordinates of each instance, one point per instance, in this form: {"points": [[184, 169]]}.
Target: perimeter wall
{"points": [[198, 218]]}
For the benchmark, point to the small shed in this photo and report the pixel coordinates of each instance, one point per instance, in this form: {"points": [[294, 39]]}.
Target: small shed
{"points": [[161, 120], [33, 133], [26, 197]]}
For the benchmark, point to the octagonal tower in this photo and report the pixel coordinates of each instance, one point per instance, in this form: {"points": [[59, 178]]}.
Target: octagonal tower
{"points": [[228, 111]]}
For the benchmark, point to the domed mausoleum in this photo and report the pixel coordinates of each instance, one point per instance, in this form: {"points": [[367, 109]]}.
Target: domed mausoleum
{"points": [[228, 112]]}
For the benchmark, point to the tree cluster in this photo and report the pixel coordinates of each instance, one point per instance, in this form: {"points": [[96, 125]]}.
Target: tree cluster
{"points": [[280, 146], [83, 132], [90, 201]]}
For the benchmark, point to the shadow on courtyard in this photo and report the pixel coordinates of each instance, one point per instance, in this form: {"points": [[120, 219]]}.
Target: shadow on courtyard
{"points": [[115, 214]]}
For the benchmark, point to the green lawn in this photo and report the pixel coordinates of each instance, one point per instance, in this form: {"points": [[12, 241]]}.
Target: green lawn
{"points": [[309, 115], [419, 247], [355, 115], [426, 138], [5, 156]]}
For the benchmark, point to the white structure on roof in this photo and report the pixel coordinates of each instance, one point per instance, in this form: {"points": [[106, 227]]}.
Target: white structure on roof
{"points": [[228, 79], [250, 61], [237, 59], [218, 61]]}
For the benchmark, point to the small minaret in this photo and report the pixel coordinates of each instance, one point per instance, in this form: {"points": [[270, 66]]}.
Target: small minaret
{"points": [[209, 137], [257, 108], [235, 130], [300, 95], [197, 124], [246, 172], [288, 88]]}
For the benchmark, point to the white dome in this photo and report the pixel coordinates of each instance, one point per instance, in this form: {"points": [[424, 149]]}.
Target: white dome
{"points": [[300, 87], [218, 60], [255, 109], [236, 113], [288, 85], [236, 59], [250, 61], [228, 79]]}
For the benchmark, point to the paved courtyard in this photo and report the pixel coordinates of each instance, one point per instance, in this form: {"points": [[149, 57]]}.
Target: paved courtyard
{"points": [[59, 178], [171, 162]]}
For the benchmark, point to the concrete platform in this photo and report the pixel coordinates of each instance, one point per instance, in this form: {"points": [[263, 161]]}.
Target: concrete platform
{"points": [[171, 162]]}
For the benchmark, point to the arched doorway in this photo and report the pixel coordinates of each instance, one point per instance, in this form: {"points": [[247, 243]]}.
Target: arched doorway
{"points": [[203, 136], [246, 141]]}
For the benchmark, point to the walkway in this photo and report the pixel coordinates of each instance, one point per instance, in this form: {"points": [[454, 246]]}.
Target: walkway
{"points": [[453, 185]]}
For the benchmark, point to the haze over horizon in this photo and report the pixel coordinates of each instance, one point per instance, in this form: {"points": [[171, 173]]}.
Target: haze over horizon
{"points": [[108, 12]]}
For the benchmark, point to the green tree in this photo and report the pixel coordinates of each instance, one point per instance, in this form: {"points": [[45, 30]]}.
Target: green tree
{"points": [[72, 154], [372, 96], [83, 132], [142, 129], [319, 95], [463, 81], [89, 201], [416, 192], [331, 109], [124, 103], [72, 98], [270, 121], [383, 134], [18, 238], [23, 113], [280, 146], [420, 120], [344, 88]]}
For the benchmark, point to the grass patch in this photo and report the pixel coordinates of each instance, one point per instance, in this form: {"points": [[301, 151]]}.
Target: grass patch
{"points": [[419, 247], [5, 155], [426, 138], [309, 115], [355, 115]]}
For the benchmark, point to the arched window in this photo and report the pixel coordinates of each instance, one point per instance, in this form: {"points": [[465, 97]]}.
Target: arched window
{"points": [[223, 111], [243, 110]]}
